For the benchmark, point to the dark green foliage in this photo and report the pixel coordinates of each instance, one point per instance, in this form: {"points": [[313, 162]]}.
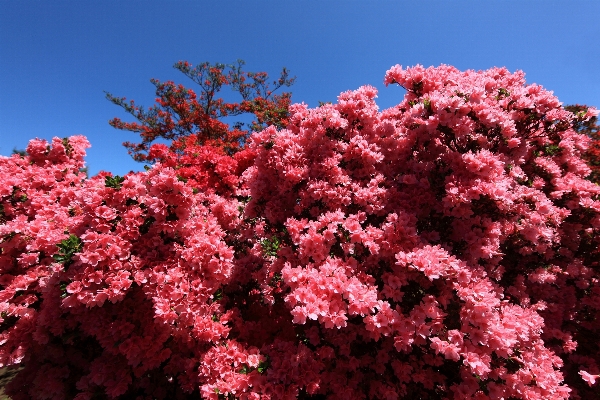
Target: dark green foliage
{"points": [[66, 249], [113, 181]]}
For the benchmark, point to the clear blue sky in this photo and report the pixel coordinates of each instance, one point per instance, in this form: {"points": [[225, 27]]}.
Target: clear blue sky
{"points": [[57, 57]]}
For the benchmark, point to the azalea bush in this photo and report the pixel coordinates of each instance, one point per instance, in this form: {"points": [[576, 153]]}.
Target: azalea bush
{"points": [[444, 248]]}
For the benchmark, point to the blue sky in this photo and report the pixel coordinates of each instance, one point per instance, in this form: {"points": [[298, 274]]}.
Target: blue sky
{"points": [[58, 57]]}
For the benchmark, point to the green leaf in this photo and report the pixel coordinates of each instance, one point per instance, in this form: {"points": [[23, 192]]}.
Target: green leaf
{"points": [[113, 181], [68, 147], [66, 249], [263, 365], [552, 149], [271, 246], [502, 93], [63, 290]]}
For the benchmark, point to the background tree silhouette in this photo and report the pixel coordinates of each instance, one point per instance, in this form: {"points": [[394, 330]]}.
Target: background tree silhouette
{"points": [[588, 127]]}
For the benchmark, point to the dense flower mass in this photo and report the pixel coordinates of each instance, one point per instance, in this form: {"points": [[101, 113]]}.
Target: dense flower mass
{"points": [[445, 248]]}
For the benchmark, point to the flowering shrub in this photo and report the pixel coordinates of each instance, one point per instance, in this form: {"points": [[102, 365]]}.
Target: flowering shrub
{"points": [[446, 247]]}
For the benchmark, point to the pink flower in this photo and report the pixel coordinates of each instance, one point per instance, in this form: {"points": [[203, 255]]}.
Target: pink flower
{"points": [[589, 378], [74, 287]]}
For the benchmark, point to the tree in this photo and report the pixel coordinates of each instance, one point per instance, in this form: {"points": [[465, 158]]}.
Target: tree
{"points": [[589, 127], [20, 152], [181, 114]]}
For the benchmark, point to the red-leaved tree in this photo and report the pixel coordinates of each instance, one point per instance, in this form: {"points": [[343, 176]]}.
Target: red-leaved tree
{"points": [[205, 149], [181, 113]]}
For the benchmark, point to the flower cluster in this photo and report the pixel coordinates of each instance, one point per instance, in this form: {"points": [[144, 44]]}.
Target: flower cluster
{"points": [[445, 248]]}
